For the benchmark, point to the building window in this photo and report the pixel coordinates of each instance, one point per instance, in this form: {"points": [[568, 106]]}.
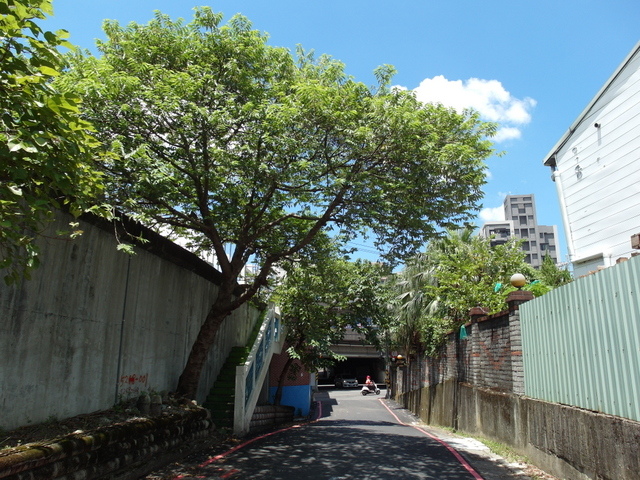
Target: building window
{"points": [[523, 220]]}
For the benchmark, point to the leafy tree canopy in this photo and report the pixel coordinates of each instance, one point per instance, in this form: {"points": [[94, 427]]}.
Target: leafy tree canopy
{"points": [[321, 296], [457, 272], [46, 148], [225, 140], [552, 275], [435, 291]]}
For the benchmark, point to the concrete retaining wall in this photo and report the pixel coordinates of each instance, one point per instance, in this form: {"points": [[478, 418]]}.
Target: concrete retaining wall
{"points": [[95, 325], [568, 442], [122, 451], [267, 416]]}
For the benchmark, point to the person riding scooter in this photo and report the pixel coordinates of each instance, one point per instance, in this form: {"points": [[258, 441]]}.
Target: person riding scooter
{"points": [[370, 387]]}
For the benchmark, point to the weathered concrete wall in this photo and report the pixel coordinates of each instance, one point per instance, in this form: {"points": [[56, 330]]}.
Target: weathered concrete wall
{"points": [[575, 442], [476, 386], [571, 443], [124, 451], [95, 325]]}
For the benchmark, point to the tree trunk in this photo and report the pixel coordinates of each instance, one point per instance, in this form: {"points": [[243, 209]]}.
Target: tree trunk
{"points": [[225, 303], [283, 375], [190, 377]]}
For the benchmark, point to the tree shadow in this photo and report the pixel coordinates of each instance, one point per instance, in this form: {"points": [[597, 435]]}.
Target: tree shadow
{"points": [[345, 449]]}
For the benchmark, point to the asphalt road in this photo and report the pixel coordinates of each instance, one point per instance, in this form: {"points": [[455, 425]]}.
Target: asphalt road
{"points": [[353, 437]]}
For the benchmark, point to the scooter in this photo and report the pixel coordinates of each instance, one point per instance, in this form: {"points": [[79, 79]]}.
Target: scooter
{"points": [[367, 389]]}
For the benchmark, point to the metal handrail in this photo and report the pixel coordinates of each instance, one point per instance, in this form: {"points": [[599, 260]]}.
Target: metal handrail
{"points": [[253, 372]]}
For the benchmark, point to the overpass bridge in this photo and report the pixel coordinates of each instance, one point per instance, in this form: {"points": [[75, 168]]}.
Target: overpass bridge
{"points": [[362, 359]]}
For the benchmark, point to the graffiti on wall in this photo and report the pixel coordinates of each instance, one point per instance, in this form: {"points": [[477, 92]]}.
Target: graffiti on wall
{"points": [[132, 385]]}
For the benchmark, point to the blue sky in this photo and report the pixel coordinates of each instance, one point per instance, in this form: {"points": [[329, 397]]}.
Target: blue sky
{"points": [[531, 66]]}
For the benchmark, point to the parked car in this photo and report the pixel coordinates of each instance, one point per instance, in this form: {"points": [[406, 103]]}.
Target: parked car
{"points": [[346, 381]]}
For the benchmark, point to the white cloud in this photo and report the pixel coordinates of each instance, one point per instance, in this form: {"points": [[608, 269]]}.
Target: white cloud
{"points": [[492, 214], [488, 97], [507, 133]]}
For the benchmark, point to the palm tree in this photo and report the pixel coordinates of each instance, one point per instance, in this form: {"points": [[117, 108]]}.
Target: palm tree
{"points": [[412, 304], [436, 289]]}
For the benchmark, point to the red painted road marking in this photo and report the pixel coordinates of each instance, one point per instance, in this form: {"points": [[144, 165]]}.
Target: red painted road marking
{"points": [[455, 453], [229, 473], [242, 445]]}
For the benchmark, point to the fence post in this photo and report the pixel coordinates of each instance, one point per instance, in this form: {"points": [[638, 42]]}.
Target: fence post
{"points": [[514, 300], [518, 297], [476, 313]]}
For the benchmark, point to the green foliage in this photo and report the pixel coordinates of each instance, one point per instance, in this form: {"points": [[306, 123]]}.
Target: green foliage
{"points": [[457, 272], [553, 276], [45, 145], [468, 269], [224, 139], [542, 281], [321, 295], [218, 138]]}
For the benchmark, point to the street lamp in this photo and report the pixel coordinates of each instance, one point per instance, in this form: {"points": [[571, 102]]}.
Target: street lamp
{"points": [[518, 280]]}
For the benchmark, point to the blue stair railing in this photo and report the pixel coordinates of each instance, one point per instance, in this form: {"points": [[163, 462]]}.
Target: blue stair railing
{"points": [[250, 376]]}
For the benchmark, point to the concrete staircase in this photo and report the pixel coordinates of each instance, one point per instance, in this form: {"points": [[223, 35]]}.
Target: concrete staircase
{"points": [[234, 395], [221, 399]]}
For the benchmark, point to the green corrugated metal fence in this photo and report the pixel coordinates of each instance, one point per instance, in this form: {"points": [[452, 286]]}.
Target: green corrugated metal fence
{"points": [[581, 342]]}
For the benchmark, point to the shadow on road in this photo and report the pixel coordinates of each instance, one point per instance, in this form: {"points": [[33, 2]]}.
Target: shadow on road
{"points": [[352, 438], [345, 449], [323, 396]]}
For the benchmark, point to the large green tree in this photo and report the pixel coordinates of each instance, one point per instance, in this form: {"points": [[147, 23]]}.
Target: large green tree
{"points": [[46, 149], [226, 140], [320, 296], [469, 272], [436, 289]]}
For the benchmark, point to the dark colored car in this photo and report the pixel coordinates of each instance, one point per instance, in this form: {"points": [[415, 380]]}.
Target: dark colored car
{"points": [[346, 381]]}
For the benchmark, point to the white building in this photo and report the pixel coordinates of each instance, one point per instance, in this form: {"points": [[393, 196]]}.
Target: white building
{"points": [[596, 168]]}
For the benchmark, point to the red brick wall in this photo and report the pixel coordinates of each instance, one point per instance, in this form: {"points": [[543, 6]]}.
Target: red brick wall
{"points": [[489, 357], [275, 369]]}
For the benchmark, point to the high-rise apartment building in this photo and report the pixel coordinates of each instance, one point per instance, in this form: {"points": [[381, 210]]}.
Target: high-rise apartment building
{"points": [[521, 222]]}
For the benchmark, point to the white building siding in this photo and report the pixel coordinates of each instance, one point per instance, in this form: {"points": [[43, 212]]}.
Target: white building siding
{"points": [[598, 171]]}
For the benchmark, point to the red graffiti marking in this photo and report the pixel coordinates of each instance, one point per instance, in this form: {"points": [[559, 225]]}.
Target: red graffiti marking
{"points": [[133, 379]]}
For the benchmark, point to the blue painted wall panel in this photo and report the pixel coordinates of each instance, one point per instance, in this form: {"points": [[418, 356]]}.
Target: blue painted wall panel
{"points": [[298, 396]]}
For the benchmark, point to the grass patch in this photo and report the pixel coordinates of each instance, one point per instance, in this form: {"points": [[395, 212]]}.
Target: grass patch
{"points": [[496, 447], [503, 450]]}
